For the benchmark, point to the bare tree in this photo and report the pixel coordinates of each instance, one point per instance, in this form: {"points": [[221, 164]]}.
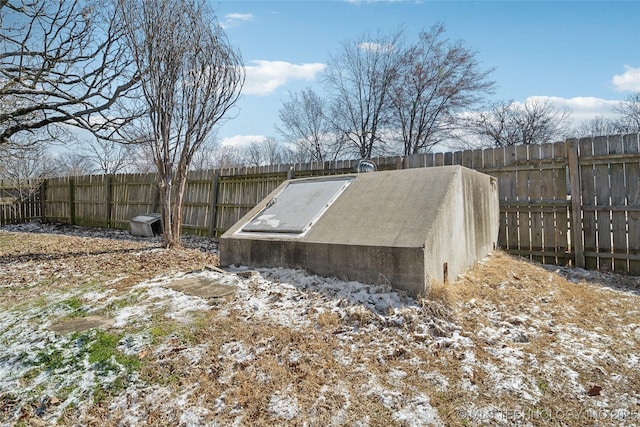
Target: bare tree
{"points": [[598, 126], [305, 124], [437, 79], [73, 163], [267, 152], [359, 78], [26, 164], [535, 121], [62, 62], [204, 158], [142, 158], [109, 157], [28, 160], [191, 78], [227, 157], [630, 111]]}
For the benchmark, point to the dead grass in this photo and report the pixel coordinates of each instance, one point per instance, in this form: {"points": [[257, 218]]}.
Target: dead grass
{"points": [[47, 264], [328, 320], [439, 301], [294, 364], [554, 310], [439, 292], [507, 330]]}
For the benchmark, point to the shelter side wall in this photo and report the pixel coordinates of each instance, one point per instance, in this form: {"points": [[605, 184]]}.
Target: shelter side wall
{"points": [[481, 212], [400, 267], [466, 229], [445, 247]]}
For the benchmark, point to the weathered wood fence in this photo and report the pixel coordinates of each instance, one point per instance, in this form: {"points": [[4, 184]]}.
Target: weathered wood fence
{"points": [[20, 202], [576, 201]]}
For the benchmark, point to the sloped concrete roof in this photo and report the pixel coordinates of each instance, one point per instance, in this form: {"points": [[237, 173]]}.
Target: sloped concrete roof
{"points": [[404, 227], [387, 208]]}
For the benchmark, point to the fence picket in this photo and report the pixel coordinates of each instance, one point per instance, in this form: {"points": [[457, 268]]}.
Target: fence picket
{"points": [[618, 196], [535, 195], [587, 176], [547, 193], [524, 216], [489, 159], [509, 188], [561, 214], [533, 190], [603, 214], [632, 179]]}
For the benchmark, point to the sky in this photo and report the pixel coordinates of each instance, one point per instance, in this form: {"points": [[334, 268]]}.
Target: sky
{"points": [[583, 55]]}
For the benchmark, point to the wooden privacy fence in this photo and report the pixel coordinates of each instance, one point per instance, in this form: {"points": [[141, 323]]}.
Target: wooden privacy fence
{"points": [[576, 201], [20, 202]]}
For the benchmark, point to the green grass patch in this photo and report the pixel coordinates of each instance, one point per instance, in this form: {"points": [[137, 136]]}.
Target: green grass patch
{"points": [[160, 331], [162, 327], [100, 349], [122, 302], [103, 392], [104, 354], [103, 347], [103, 351], [64, 392], [75, 304], [51, 358]]}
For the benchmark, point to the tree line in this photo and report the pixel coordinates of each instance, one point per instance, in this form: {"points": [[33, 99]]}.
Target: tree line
{"points": [[149, 83], [158, 75]]}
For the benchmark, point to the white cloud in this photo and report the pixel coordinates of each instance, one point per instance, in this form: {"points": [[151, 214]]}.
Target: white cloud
{"points": [[582, 108], [264, 77], [629, 80], [240, 16], [242, 140], [234, 18]]}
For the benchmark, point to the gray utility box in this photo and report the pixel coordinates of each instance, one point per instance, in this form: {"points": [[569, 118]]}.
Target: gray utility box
{"points": [[147, 225]]}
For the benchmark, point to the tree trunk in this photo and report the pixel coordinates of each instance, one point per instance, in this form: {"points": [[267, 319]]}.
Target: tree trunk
{"points": [[177, 217], [165, 186]]}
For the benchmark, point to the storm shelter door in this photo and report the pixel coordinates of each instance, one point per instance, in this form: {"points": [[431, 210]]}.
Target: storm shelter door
{"points": [[298, 206]]}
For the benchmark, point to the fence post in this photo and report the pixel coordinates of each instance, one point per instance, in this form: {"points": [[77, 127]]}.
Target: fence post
{"points": [[108, 197], [43, 201], [214, 202], [576, 205], [72, 202]]}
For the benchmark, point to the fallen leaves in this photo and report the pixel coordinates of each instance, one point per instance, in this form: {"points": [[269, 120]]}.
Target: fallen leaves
{"points": [[594, 391], [52, 261]]}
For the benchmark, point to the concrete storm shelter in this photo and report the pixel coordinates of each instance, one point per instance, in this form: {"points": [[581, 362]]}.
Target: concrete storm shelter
{"points": [[404, 227]]}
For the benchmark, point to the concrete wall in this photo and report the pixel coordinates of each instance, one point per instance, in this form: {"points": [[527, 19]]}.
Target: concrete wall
{"points": [[466, 227], [400, 267], [397, 227]]}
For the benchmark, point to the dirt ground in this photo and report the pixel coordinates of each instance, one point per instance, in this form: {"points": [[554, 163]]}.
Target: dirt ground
{"points": [[98, 328]]}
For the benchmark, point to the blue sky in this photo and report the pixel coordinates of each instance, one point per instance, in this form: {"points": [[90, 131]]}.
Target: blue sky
{"points": [[585, 55]]}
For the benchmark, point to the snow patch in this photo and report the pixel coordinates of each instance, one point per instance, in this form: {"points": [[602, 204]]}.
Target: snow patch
{"points": [[284, 406]]}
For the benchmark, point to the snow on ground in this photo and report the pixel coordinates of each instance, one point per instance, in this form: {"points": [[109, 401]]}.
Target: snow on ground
{"points": [[30, 348], [502, 381], [285, 297]]}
